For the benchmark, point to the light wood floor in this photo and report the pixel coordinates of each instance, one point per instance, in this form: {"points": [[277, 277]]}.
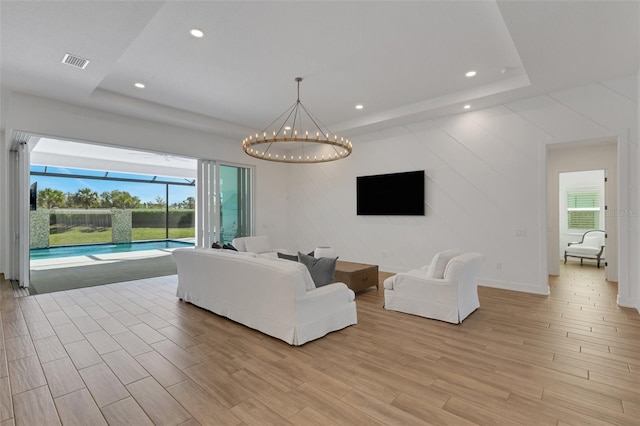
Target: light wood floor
{"points": [[131, 353]]}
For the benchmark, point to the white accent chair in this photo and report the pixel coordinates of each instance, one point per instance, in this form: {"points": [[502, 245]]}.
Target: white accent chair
{"points": [[590, 247], [450, 297]]}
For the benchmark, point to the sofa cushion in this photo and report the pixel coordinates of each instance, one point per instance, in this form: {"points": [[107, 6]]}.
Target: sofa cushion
{"points": [[242, 253], [439, 263], [322, 270], [216, 245], [229, 247], [238, 243], [258, 244], [580, 250]]}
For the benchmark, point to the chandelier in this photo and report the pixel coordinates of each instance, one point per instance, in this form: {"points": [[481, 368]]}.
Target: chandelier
{"points": [[285, 140]]}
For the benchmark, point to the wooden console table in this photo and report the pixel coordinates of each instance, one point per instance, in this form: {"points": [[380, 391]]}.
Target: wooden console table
{"points": [[357, 276]]}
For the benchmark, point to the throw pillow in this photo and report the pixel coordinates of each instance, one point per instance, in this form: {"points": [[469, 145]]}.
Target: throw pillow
{"points": [[322, 270], [229, 247], [258, 244], [439, 263], [287, 256], [216, 245]]}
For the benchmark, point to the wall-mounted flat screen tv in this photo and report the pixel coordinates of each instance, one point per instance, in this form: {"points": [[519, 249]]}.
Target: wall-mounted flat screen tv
{"points": [[394, 194]]}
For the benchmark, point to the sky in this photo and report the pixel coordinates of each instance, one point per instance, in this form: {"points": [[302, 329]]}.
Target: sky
{"points": [[146, 191]]}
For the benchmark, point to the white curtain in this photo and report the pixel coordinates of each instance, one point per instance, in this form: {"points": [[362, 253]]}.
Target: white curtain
{"points": [[207, 219], [20, 198]]}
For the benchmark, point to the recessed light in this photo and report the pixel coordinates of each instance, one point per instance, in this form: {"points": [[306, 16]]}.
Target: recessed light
{"points": [[197, 33], [359, 106], [287, 127], [467, 106], [139, 85], [470, 73]]}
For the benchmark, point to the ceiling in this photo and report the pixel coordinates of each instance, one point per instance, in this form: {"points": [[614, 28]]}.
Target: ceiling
{"points": [[402, 61], [78, 155]]}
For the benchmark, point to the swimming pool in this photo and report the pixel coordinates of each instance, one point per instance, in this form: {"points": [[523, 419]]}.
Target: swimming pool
{"points": [[91, 249]]}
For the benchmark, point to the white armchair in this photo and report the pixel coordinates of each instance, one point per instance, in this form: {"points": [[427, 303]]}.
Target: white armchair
{"points": [[590, 247], [450, 298]]}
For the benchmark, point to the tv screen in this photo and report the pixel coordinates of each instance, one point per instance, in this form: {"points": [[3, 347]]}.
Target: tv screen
{"points": [[398, 194]]}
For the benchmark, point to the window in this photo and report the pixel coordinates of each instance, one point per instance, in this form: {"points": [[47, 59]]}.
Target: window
{"points": [[583, 209], [80, 205]]}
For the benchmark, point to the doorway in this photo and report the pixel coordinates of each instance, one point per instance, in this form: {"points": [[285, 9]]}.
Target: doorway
{"points": [[582, 156], [92, 215], [581, 209]]}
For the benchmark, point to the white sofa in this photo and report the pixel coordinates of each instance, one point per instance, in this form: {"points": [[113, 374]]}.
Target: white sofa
{"points": [[277, 297], [258, 244], [451, 297]]}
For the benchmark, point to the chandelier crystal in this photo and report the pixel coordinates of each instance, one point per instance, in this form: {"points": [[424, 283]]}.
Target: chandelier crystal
{"points": [[285, 140]]}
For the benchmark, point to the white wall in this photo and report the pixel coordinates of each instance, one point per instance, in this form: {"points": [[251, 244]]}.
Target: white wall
{"points": [[486, 182], [632, 298], [4, 208]]}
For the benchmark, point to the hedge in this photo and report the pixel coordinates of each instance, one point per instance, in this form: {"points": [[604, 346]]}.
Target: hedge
{"points": [[154, 218], [140, 218]]}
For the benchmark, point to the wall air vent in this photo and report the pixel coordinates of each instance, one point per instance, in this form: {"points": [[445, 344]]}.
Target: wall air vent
{"points": [[75, 61]]}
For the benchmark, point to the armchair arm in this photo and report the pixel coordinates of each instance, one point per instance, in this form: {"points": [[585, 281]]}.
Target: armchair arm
{"points": [[420, 287], [389, 283]]}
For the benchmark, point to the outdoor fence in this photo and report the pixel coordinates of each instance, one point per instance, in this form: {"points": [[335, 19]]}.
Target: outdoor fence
{"points": [[120, 221]]}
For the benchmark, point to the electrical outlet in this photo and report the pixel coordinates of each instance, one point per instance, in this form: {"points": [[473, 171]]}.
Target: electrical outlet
{"points": [[499, 265]]}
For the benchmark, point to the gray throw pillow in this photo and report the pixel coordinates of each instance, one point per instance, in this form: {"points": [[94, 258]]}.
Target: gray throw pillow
{"points": [[287, 256], [322, 270]]}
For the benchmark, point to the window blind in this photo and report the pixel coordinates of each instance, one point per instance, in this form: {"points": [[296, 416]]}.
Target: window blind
{"points": [[583, 209]]}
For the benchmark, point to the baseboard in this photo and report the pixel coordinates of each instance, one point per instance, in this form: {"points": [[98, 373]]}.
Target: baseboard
{"points": [[391, 269], [510, 285], [628, 303]]}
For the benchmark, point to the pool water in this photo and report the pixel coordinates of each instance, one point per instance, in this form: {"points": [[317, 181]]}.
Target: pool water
{"points": [[91, 249]]}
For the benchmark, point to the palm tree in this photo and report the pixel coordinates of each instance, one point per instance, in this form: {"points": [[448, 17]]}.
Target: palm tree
{"points": [[189, 203], [49, 198], [85, 197], [124, 200], [105, 200]]}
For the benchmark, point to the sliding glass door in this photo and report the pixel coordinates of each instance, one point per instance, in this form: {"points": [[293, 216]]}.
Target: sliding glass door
{"points": [[235, 202], [225, 202]]}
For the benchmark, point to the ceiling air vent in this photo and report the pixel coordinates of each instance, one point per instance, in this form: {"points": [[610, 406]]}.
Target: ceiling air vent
{"points": [[75, 61]]}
